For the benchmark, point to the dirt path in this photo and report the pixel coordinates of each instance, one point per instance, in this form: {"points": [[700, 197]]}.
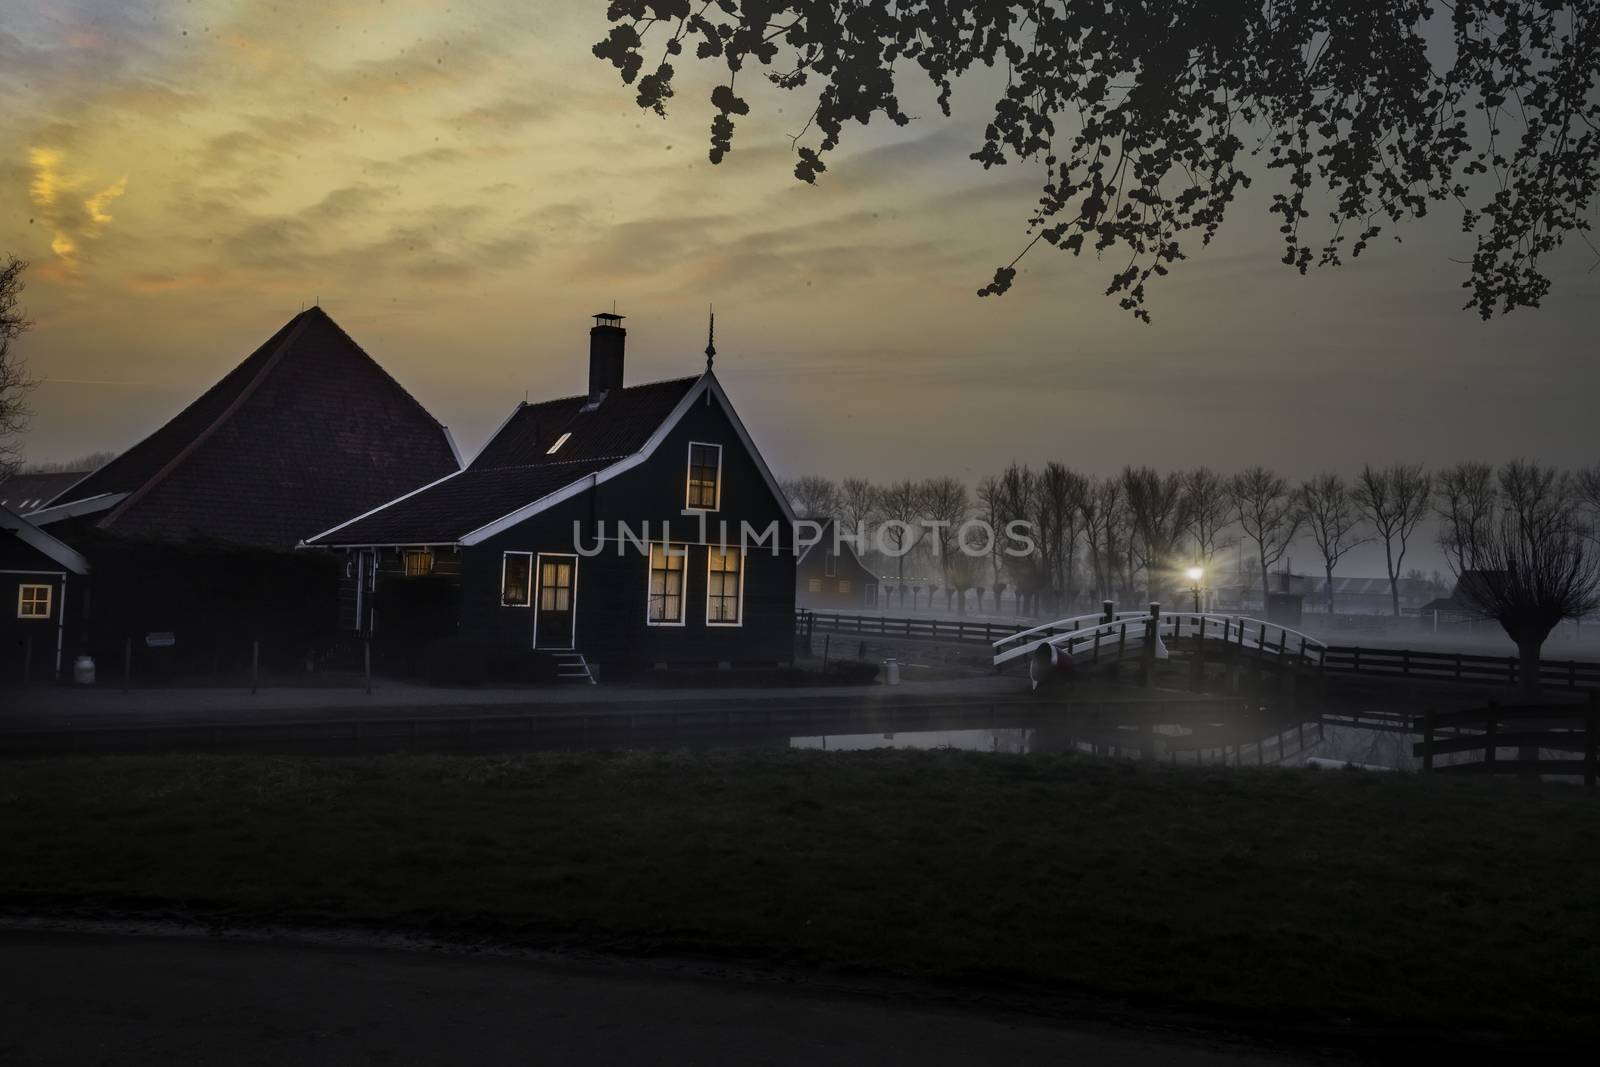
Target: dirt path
{"points": [[80, 999]]}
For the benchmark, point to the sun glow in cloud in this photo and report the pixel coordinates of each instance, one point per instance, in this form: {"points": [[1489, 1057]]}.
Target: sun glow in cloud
{"points": [[70, 222]]}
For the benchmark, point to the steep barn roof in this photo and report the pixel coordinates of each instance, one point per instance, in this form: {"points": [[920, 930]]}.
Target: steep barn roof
{"points": [[305, 430], [517, 467]]}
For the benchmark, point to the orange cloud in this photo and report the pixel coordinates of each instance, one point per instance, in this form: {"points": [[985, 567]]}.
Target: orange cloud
{"points": [[71, 222]]}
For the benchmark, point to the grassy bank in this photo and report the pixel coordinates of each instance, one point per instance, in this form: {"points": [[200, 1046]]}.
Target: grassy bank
{"points": [[1315, 896]]}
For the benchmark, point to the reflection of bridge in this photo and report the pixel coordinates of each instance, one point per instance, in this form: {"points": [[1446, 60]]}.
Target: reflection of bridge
{"points": [[1112, 635]]}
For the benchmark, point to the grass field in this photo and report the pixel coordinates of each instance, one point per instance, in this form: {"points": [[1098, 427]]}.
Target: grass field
{"points": [[1322, 897]]}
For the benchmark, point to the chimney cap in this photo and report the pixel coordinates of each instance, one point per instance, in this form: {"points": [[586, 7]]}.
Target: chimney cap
{"points": [[608, 318]]}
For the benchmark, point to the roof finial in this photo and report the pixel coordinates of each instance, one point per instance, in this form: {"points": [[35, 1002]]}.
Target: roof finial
{"points": [[711, 337]]}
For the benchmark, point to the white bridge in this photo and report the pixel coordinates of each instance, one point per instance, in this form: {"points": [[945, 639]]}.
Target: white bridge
{"points": [[1112, 635]]}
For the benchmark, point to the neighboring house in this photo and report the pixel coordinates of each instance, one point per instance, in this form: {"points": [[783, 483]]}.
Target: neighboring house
{"points": [[192, 531], [1464, 604], [41, 581], [22, 493], [1351, 596], [504, 553], [829, 580]]}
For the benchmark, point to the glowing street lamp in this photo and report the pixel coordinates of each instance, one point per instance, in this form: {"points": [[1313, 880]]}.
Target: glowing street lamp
{"points": [[1195, 574]]}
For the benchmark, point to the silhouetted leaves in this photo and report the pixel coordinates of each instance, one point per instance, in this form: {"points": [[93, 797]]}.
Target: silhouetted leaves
{"points": [[1140, 112]]}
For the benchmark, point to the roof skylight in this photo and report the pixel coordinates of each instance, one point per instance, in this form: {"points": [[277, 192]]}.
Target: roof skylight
{"points": [[559, 442]]}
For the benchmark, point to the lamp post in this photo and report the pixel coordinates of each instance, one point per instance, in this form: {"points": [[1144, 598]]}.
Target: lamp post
{"points": [[1195, 574]]}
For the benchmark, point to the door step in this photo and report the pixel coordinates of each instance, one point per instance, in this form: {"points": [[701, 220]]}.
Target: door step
{"points": [[572, 667]]}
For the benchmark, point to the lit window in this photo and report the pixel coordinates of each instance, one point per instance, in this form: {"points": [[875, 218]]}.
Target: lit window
{"points": [[724, 586], [516, 570], [705, 477], [665, 602], [555, 585], [844, 585], [33, 601], [814, 585], [559, 442], [418, 562]]}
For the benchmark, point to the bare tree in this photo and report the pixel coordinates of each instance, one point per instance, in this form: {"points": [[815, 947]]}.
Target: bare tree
{"points": [[1061, 492], [1534, 563], [813, 496], [858, 502], [947, 506], [1268, 514], [1394, 500], [902, 505], [1019, 501], [14, 380], [1463, 498], [1104, 518], [1156, 515], [991, 504], [91, 462], [1332, 519], [1207, 512]]}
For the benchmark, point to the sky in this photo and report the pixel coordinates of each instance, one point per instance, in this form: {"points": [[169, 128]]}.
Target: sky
{"points": [[462, 185]]}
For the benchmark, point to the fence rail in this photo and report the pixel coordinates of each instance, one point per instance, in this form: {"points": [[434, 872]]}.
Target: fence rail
{"points": [[1458, 666], [1419, 664], [1562, 728]]}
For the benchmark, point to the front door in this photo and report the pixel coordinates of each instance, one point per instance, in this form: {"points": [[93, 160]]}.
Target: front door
{"points": [[554, 621]]}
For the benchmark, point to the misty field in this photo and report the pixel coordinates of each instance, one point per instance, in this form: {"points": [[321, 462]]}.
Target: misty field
{"points": [[1317, 897]]}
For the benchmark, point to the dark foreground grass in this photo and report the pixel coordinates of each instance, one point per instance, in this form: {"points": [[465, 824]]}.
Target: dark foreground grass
{"points": [[1315, 897]]}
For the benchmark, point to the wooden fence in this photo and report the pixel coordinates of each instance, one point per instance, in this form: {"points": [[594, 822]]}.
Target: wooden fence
{"points": [[1458, 667], [1562, 728], [1576, 675]]}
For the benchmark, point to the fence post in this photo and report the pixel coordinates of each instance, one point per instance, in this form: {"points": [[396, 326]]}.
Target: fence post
{"points": [[1591, 740], [1427, 740], [1108, 610], [1490, 728]]}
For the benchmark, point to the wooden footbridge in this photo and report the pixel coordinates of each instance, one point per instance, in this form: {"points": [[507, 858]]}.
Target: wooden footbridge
{"points": [[1112, 635]]}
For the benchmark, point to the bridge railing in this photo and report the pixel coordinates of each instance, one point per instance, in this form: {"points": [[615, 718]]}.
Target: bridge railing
{"points": [[1091, 636]]}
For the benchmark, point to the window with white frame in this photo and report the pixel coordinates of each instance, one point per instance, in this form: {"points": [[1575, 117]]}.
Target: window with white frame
{"points": [[844, 585], [417, 562], [33, 601], [813, 585], [724, 586], [516, 579], [667, 570], [705, 477]]}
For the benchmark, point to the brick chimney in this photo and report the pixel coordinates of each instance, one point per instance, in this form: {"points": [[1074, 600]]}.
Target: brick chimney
{"points": [[606, 338]]}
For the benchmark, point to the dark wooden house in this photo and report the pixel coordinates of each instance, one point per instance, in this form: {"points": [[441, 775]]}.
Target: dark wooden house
{"points": [[831, 577], [631, 525], [192, 531], [22, 493], [41, 595]]}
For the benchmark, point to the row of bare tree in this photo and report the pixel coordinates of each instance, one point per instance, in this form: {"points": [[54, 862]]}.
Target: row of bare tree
{"points": [[1527, 535]]}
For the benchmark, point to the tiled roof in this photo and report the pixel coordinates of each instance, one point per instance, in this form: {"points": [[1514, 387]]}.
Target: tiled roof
{"points": [[618, 426], [23, 493], [516, 468], [445, 512], [305, 431]]}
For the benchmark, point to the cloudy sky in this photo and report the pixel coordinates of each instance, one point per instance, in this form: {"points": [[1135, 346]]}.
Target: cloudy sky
{"points": [[461, 184]]}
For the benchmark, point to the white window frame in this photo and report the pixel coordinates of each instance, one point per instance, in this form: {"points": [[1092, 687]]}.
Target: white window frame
{"points": [[682, 553], [688, 477], [844, 587], [711, 551], [406, 555], [527, 589], [813, 585], [49, 601]]}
